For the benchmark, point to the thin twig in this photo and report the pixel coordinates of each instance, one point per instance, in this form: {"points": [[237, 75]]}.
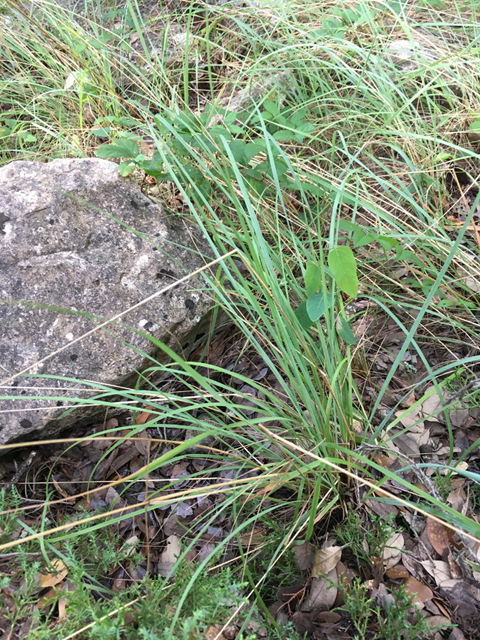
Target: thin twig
{"points": [[20, 472], [460, 393]]}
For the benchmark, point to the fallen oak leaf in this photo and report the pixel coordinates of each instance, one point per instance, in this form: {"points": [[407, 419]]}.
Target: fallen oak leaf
{"points": [[169, 557], [59, 573], [323, 593], [395, 573], [393, 550], [143, 417], [305, 555], [325, 560], [439, 570], [48, 599], [454, 568], [437, 534], [328, 618], [437, 623], [420, 591]]}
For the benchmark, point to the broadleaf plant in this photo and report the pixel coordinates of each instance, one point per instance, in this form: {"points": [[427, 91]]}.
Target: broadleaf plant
{"points": [[344, 268]]}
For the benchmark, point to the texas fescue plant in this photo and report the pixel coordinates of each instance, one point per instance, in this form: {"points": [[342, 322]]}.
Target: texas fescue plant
{"points": [[298, 136]]}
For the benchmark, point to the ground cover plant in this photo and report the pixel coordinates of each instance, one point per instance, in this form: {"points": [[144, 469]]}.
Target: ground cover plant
{"points": [[309, 468]]}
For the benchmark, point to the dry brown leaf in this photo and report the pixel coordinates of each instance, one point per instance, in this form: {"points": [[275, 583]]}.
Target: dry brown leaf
{"points": [[457, 499], [252, 538], [62, 607], [130, 545], [345, 575], [323, 593], [166, 569], [325, 560], [410, 564], [469, 279], [420, 486], [129, 619], [377, 571], [302, 624], [58, 574], [142, 443], [382, 494], [435, 622], [431, 405], [397, 572], [305, 554], [421, 592], [84, 503], [409, 400], [365, 546], [169, 557], [382, 509], [383, 460], [438, 569], [328, 617], [179, 469], [112, 497], [59, 488], [454, 568], [214, 634], [47, 598], [381, 596], [458, 417], [357, 426], [287, 594], [407, 444], [172, 550], [437, 534], [408, 418], [393, 550], [453, 583], [207, 550], [230, 633], [143, 417]]}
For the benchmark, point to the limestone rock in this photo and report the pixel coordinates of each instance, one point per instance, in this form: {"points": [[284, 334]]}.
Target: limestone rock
{"points": [[79, 245]]}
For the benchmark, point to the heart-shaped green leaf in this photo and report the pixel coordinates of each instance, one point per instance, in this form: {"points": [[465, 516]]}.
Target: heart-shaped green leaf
{"points": [[344, 268], [121, 149], [302, 316], [313, 278], [317, 305], [346, 332]]}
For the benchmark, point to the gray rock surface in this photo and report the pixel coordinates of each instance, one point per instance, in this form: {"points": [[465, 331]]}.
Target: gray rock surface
{"points": [[77, 239]]}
